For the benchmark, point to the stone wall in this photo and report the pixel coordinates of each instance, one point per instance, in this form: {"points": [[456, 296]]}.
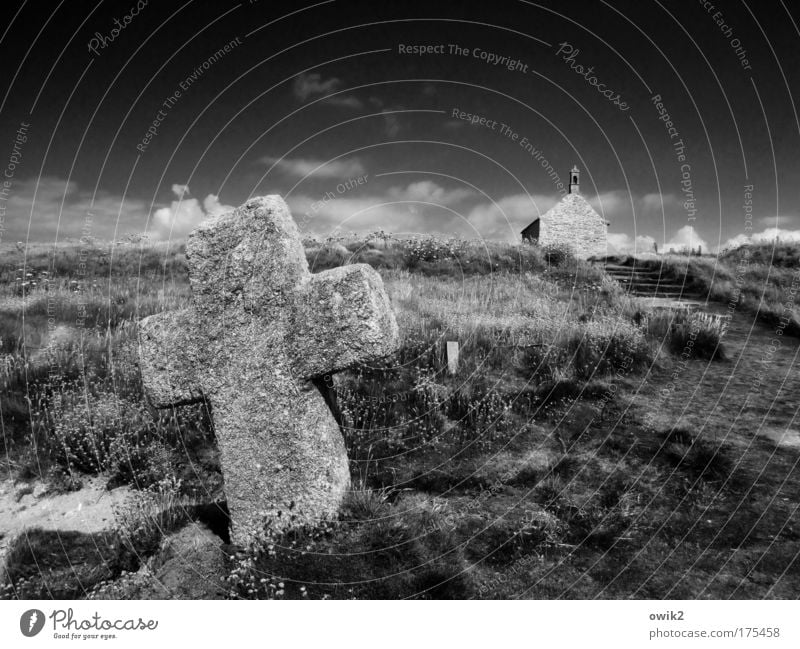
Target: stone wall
{"points": [[574, 224]]}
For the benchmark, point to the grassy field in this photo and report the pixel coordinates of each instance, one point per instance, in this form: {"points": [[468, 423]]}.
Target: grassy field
{"points": [[521, 475]]}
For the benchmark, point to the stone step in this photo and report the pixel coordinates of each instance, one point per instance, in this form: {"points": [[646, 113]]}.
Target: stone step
{"points": [[670, 304], [669, 294], [659, 289], [641, 274], [629, 279], [651, 282], [632, 269], [665, 294], [658, 292]]}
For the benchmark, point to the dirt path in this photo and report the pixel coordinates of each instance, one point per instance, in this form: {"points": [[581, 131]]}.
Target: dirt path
{"points": [[755, 392], [743, 539], [87, 510]]}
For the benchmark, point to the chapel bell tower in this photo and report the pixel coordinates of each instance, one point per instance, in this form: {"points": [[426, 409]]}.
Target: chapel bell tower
{"points": [[574, 184]]}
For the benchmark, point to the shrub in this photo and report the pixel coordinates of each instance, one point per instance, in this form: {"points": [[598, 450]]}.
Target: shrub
{"points": [[559, 256], [149, 515], [693, 334], [105, 433], [429, 249], [608, 345], [61, 564], [700, 335], [482, 416]]}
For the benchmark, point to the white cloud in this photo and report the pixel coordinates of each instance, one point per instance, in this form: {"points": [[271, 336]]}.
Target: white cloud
{"points": [[505, 218], [213, 207], [429, 192], [770, 234], [391, 124], [657, 201], [307, 86], [365, 214], [391, 118], [179, 218], [303, 167], [612, 203], [420, 207], [180, 190], [777, 221], [685, 238], [766, 236], [625, 244], [627, 210], [346, 101], [50, 209], [185, 213]]}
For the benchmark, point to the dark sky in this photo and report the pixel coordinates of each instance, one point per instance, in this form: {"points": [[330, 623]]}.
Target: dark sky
{"points": [[308, 96]]}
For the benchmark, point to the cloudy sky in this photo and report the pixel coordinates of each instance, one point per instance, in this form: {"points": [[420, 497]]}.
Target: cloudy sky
{"points": [[456, 118]]}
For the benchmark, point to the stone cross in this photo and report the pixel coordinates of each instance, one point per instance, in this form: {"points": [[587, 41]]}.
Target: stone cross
{"points": [[260, 330]]}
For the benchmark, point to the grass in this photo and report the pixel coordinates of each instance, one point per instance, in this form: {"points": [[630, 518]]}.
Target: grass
{"points": [[43, 564], [521, 474]]}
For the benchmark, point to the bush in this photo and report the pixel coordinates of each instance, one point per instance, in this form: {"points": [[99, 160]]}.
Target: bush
{"points": [[104, 433], [428, 255], [691, 333], [430, 249], [559, 256], [606, 346], [62, 564], [149, 515]]}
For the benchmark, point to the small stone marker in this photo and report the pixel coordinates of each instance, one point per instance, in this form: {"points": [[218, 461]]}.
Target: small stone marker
{"points": [[452, 356], [260, 329]]}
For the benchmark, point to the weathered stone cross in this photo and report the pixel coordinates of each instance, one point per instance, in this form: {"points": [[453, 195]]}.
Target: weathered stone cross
{"points": [[260, 329]]}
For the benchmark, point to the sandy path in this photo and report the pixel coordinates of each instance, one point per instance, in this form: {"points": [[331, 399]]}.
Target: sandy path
{"points": [[88, 510], [756, 392]]}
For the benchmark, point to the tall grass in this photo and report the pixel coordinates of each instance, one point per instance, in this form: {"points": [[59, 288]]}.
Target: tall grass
{"points": [[516, 333], [692, 334]]}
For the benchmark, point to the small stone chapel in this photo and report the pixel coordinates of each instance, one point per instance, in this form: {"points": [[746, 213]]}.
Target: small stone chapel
{"points": [[571, 223]]}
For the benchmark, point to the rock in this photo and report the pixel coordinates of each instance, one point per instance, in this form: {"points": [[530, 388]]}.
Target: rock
{"points": [[261, 330], [190, 564], [22, 491]]}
